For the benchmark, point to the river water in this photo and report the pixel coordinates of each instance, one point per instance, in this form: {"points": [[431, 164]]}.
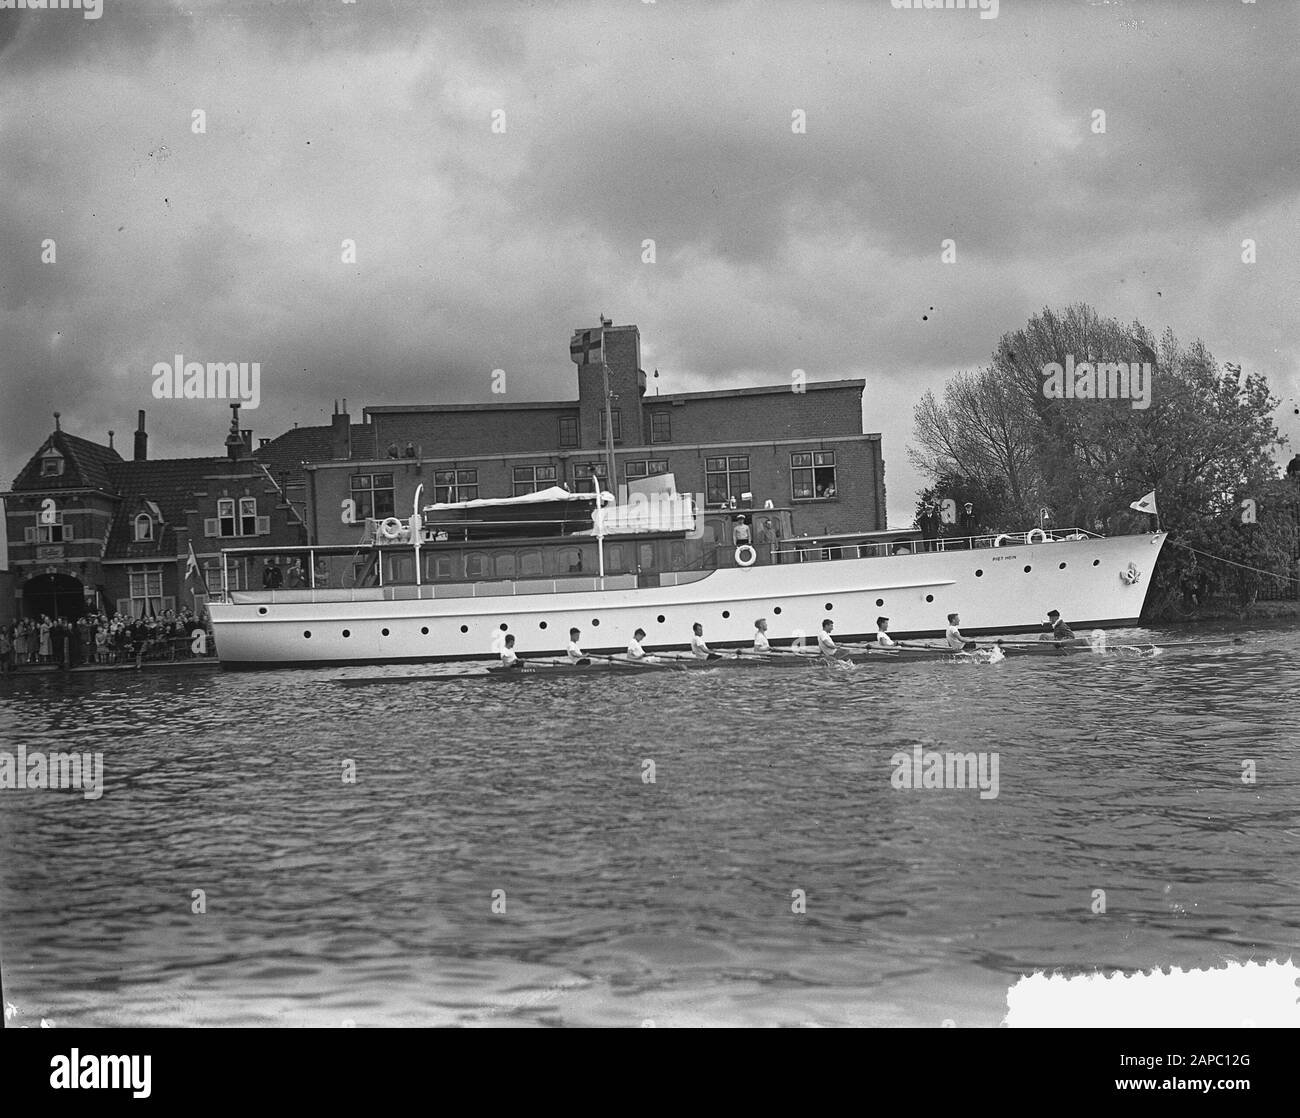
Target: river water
{"points": [[626, 901]]}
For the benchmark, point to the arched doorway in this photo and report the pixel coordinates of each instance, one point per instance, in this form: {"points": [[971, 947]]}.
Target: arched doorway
{"points": [[54, 596]]}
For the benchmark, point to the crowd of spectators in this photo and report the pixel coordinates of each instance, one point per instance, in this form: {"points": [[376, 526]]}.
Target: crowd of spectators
{"points": [[99, 639]]}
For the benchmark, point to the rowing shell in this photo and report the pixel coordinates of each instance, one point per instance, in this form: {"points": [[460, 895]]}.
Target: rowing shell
{"points": [[533, 669]]}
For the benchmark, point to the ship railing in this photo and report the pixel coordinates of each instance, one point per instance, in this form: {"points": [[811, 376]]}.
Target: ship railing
{"points": [[807, 549]]}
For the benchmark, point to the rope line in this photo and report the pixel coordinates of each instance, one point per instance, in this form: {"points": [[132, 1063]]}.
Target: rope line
{"points": [[1233, 563]]}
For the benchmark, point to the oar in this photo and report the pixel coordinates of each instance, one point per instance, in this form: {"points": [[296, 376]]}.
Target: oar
{"points": [[616, 660]]}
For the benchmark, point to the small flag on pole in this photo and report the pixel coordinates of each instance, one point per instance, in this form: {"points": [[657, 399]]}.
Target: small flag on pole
{"points": [[193, 572], [587, 347], [1146, 504]]}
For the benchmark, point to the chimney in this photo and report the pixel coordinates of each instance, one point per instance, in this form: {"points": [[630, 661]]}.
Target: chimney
{"points": [[340, 433], [235, 440], [110, 440], [141, 440]]}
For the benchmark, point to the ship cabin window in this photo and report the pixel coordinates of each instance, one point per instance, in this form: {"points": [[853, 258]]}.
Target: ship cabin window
{"points": [[677, 555], [439, 567], [401, 570], [476, 565], [530, 564], [614, 558], [812, 475], [372, 496], [646, 557], [532, 479], [505, 566], [568, 561]]}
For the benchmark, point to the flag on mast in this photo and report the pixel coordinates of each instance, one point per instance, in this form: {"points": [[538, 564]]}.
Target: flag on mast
{"points": [[193, 572], [1146, 504], [587, 347]]}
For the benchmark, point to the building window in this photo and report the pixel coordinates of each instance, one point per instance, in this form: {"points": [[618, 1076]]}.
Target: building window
{"points": [[453, 486], [812, 475], [531, 479], [226, 517], [52, 465], [373, 496], [568, 430], [725, 478], [661, 427], [618, 426], [583, 472], [53, 532], [248, 516], [649, 467], [146, 592], [143, 527]]}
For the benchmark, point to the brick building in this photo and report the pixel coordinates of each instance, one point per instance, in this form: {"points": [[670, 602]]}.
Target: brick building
{"points": [[90, 531], [799, 447]]}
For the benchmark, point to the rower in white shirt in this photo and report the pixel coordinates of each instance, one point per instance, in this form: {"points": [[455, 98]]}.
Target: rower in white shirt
{"points": [[826, 643], [576, 655], [634, 649], [509, 659], [760, 636], [699, 649], [953, 636], [883, 639]]}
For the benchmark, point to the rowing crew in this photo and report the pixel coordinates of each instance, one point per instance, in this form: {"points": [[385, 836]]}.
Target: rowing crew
{"points": [[1058, 630]]}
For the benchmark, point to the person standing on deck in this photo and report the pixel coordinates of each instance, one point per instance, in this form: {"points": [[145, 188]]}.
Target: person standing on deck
{"points": [[768, 542], [760, 636], [1057, 630], [953, 636], [699, 649], [509, 658], [826, 643], [739, 532], [576, 655], [968, 526], [883, 639]]}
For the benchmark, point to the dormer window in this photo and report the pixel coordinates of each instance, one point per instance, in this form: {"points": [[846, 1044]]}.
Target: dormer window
{"points": [[51, 463], [143, 527]]}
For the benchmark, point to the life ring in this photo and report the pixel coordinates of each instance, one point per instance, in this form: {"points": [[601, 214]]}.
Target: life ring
{"points": [[745, 556], [1029, 536], [390, 528], [1000, 541], [1131, 574]]}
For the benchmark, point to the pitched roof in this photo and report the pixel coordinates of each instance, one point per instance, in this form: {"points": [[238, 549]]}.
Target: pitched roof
{"points": [[86, 465], [284, 455], [169, 482]]}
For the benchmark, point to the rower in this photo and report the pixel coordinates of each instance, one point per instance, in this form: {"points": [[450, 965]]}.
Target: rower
{"points": [[760, 636], [1058, 630], [953, 636], [634, 649], [883, 639], [576, 655], [826, 643], [509, 659], [699, 649]]}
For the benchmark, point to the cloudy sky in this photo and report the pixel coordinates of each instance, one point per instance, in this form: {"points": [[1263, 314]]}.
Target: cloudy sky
{"points": [[624, 121]]}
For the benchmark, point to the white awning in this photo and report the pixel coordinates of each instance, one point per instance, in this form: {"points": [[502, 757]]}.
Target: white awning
{"points": [[544, 496]]}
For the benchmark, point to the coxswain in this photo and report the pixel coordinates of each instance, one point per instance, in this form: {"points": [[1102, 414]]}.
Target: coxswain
{"points": [[826, 643], [883, 639], [953, 636], [1058, 630], [509, 658], [699, 649], [760, 636], [576, 655]]}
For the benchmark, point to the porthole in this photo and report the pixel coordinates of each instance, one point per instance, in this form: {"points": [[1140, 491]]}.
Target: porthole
{"points": [[261, 609], [880, 601], [504, 626], [1096, 562], [1028, 569], [776, 609], [347, 632], [307, 633], [595, 622], [464, 628], [929, 597], [383, 632], [661, 619], [829, 606], [979, 574], [542, 625], [424, 630], [1061, 567]]}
